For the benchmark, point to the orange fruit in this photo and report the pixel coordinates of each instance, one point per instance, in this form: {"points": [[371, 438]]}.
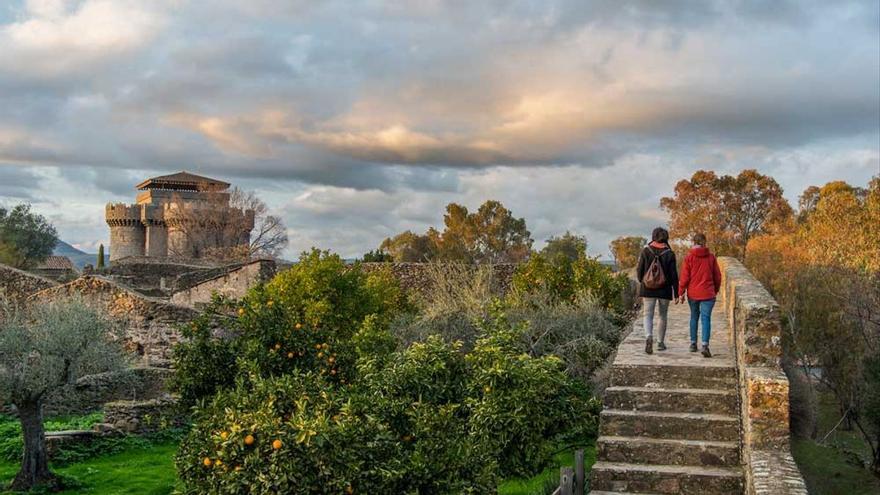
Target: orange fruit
{"points": [[223, 435], [324, 345], [240, 311], [249, 440], [331, 359], [270, 303], [289, 355], [238, 468], [218, 462], [207, 462], [298, 326], [276, 444], [277, 346], [320, 354], [487, 389], [349, 490], [317, 346], [332, 372]]}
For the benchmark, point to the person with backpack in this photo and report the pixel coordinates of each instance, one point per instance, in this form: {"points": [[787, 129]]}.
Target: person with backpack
{"points": [[658, 285], [700, 281]]}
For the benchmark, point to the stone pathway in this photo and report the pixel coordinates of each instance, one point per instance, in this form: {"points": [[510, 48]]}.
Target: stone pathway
{"points": [[670, 424]]}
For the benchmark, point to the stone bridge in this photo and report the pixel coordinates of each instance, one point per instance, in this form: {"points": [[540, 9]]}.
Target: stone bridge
{"points": [[677, 423]]}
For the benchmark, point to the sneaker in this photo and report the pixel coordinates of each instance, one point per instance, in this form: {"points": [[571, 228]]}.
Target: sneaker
{"points": [[649, 345], [706, 352], [661, 346], [693, 347]]}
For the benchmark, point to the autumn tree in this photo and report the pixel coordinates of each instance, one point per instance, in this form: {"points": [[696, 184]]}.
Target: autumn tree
{"points": [[409, 247], [729, 210], [489, 235], [569, 245], [626, 250], [824, 271], [44, 349], [26, 238]]}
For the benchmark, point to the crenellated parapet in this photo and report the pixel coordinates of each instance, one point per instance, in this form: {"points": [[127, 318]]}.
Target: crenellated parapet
{"points": [[122, 215]]}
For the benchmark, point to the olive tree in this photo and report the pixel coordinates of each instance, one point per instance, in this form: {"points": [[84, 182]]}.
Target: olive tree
{"points": [[44, 348]]}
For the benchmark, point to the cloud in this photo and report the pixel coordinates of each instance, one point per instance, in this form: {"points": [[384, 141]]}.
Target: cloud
{"points": [[371, 116]]}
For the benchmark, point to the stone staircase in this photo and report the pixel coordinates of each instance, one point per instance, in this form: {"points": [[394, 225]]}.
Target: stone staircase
{"points": [[671, 422]]}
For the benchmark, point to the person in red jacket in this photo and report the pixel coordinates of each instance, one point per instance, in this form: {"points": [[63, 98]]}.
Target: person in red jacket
{"points": [[700, 280]]}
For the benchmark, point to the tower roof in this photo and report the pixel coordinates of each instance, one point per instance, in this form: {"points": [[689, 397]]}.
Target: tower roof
{"points": [[183, 181]]}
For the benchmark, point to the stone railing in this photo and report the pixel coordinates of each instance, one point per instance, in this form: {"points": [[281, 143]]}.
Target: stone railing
{"points": [[756, 329]]}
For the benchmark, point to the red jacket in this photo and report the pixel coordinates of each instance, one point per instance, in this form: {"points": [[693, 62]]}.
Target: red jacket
{"points": [[700, 276]]}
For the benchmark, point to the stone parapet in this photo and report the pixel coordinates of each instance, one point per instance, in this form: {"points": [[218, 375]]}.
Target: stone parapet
{"points": [[756, 331], [120, 214], [16, 285]]}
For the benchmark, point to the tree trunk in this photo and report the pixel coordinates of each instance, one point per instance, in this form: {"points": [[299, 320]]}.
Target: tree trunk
{"points": [[35, 460]]}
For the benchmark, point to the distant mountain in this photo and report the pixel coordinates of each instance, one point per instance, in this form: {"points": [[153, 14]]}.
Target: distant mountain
{"points": [[79, 258]]}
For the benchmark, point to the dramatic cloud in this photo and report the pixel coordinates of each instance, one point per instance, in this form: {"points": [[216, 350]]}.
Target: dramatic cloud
{"points": [[359, 119]]}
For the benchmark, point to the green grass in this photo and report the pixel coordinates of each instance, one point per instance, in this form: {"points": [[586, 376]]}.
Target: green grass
{"points": [[832, 468], [535, 485], [827, 472], [143, 471]]}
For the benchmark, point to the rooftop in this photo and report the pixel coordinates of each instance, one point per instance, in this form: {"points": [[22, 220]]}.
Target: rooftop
{"points": [[56, 263], [183, 181]]}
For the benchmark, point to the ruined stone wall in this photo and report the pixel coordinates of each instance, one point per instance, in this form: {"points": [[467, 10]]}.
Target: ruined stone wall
{"points": [[90, 393], [16, 285], [150, 325], [756, 329], [232, 283]]}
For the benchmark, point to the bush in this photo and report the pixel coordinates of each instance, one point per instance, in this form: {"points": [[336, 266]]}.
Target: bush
{"points": [[564, 280], [303, 319], [427, 419]]}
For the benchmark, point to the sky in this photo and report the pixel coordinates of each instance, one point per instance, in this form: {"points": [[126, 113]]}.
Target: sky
{"points": [[356, 120]]}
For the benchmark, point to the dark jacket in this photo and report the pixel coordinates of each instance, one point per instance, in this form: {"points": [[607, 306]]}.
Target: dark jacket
{"points": [[667, 261], [700, 275]]}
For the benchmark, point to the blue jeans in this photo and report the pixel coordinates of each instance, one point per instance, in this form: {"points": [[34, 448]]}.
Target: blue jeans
{"points": [[701, 311]]}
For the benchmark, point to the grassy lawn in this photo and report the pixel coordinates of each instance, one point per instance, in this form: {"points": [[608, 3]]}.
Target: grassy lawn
{"points": [[536, 484], [828, 469], [145, 471]]}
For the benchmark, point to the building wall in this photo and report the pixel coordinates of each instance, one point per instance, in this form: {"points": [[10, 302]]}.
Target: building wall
{"points": [[235, 283], [156, 241]]}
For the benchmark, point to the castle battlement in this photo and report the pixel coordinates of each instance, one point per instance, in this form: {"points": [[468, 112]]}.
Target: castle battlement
{"points": [[121, 214]]}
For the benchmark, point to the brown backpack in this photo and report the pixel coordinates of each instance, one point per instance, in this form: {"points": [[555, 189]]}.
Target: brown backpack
{"points": [[654, 277]]}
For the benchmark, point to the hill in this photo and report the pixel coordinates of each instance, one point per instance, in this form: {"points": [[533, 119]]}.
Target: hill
{"points": [[79, 258]]}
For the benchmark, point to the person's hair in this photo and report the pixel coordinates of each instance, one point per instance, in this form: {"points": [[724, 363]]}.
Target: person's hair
{"points": [[700, 239], [660, 235]]}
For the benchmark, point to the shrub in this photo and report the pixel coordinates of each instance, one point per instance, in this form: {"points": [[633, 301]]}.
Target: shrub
{"points": [[303, 319], [564, 280], [427, 419]]}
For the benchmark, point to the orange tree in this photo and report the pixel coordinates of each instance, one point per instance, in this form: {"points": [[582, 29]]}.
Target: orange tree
{"points": [[315, 396]]}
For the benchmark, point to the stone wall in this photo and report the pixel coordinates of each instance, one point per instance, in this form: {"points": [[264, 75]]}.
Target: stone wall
{"points": [[144, 416], [756, 331], [90, 393], [232, 283], [16, 285], [150, 325]]}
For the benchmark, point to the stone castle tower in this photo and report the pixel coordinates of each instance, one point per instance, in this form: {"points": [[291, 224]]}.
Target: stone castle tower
{"points": [[182, 214]]}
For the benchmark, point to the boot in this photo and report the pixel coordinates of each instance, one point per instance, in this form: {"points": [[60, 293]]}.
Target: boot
{"points": [[693, 347], [661, 346], [649, 345], [706, 352]]}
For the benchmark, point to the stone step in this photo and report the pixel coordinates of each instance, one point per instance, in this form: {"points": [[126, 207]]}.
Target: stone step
{"points": [[665, 479], [719, 377], [603, 492], [669, 425], [693, 400], [668, 451]]}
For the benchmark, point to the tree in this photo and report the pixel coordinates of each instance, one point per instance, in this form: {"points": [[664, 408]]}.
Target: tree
{"points": [[729, 210], [269, 237], [569, 245], [824, 269], [43, 349], [409, 247], [626, 251], [377, 256], [26, 238], [100, 264], [489, 235]]}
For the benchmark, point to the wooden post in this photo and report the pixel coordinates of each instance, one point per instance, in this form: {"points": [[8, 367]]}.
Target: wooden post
{"points": [[566, 481], [579, 482]]}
